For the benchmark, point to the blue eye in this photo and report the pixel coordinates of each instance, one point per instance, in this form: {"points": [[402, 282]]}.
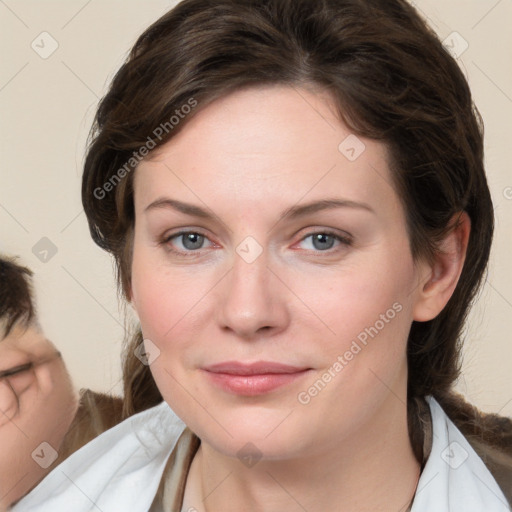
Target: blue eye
{"points": [[324, 240], [190, 241]]}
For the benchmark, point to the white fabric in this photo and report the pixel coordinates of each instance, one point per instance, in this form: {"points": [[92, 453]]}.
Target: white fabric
{"points": [[118, 471], [455, 478], [121, 469]]}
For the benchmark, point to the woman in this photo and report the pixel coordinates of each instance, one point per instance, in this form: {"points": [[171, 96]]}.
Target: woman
{"points": [[295, 198]]}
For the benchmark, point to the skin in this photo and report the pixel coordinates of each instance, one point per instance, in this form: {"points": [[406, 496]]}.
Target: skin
{"points": [[247, 158], [48, 403]]}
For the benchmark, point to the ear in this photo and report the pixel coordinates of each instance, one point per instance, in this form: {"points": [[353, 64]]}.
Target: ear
{"points": [[441, 276]]}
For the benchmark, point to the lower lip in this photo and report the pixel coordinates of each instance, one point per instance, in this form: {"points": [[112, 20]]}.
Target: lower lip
{"points": [[252, 385]]}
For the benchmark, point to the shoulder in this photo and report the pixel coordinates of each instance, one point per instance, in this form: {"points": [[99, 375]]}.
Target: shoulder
{"points": [[467, 471], [96, 413], [497, 461], [489, 435], [118, 470]]}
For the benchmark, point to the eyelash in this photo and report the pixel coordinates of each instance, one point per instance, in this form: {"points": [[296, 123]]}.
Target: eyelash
{"points": [[11, 372], [165, 241]]}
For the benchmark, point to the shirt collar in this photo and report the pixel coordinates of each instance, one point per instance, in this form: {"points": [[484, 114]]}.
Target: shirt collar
{"points": [[454, 477], [118, 470]]}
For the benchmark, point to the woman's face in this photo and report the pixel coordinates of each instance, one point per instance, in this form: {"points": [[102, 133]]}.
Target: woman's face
{"points": [[281, 318]]}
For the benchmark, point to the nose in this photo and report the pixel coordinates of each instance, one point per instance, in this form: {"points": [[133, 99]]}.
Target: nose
{"points": [[253, 300]]}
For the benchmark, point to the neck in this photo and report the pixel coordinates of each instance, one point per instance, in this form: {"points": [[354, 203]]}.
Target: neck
{"points": [[374, 470]]}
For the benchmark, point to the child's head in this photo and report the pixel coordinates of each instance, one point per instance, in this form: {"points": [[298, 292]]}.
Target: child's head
{"points": [[37, 399], [16, 305]]}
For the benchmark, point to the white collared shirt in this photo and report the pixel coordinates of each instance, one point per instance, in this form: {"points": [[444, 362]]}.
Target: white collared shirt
{"points": [[121, 469]]}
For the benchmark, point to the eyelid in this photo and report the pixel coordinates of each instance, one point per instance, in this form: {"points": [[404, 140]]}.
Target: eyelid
{"points": [[17, 369], [28, 366]]}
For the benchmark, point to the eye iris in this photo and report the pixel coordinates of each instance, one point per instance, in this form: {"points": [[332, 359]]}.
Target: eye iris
{"points": [[323, 238], [192, 240]]}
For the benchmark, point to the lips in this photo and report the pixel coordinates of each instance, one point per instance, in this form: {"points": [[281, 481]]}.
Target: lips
{"points": [[251, 379]]}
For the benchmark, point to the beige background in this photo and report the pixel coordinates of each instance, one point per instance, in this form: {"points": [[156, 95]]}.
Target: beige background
{"points": [[46, 111]]}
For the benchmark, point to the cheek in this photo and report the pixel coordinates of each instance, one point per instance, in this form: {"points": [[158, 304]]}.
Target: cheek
{"points": [[152, 293], [166, 299], [366, 298], [162, 305], [369, 313]]}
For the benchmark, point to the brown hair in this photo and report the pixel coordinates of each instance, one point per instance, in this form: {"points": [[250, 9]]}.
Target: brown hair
{"points": [[16, 303], [392, 80], [96, 412]]}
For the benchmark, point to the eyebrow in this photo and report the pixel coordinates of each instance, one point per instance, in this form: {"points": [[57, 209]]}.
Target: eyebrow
{"points": [[291, 213]]}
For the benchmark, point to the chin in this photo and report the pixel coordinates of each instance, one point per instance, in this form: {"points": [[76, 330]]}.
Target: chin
{"points": [[270, 433]]}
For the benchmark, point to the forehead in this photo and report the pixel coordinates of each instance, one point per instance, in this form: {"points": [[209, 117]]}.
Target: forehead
{"points": [[21, 335], [267, 142]]}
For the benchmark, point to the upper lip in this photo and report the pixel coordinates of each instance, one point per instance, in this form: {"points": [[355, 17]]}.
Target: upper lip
{"points": [[256, 368]]}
